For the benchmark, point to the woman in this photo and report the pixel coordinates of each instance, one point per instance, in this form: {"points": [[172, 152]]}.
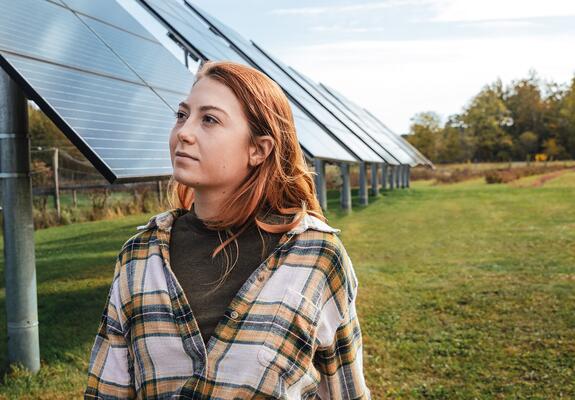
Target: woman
{"points": [[281, 322]]}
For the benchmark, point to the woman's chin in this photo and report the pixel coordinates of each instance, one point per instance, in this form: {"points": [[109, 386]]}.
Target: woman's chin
{"points": [[186, 179]]}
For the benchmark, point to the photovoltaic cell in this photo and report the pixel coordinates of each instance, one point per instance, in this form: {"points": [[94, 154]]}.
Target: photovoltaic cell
{"points": [[105, 82], [185, 23], [143, 56], [105, 11]]}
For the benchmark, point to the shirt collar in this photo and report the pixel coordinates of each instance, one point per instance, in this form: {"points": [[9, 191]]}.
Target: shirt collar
{"points": [[165, 220]]}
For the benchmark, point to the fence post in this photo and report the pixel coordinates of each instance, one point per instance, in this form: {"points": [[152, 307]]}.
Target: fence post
{"points": [[56, 183], [160, 193]]}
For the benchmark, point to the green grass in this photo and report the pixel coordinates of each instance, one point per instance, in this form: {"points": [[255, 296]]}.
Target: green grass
{"points": [[466, 291]]}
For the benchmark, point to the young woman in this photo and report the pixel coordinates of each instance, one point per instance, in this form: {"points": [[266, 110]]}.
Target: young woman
{"points": [[242, 290]]}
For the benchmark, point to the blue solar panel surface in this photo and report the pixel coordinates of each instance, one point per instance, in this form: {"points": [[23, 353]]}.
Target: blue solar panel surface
{"points": [[105, 81]]}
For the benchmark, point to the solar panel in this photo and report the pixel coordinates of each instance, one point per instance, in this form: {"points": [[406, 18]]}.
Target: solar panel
{"points": [[390, 153], [192, 30], [195, 33], [424, 160], [105, 11], [101, 77], [379, 135], [375, 124]]}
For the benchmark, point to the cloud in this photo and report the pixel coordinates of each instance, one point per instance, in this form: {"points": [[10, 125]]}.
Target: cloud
{"points": [[338, 9], [345, 29], [485, 10], [501, 24], [396, 79]]}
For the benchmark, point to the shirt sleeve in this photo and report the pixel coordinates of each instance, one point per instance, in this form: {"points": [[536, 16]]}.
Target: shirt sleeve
{"points": [[110, 373], [340, 363]]}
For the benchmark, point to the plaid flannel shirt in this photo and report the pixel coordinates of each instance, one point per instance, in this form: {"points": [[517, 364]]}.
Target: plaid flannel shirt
{"points": [[291, 332]]}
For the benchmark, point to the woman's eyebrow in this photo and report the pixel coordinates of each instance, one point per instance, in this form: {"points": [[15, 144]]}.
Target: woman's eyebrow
{"points": [[207, 108], [185, 105]]}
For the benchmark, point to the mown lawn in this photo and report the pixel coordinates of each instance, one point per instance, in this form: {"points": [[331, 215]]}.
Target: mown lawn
{"points": [[466, 291]]}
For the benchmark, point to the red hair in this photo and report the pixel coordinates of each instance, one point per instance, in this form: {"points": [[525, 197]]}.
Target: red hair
{"points": [[282, 183]]}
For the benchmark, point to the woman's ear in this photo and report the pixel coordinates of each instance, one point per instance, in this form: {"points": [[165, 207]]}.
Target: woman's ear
{"points": [[259, 151]]}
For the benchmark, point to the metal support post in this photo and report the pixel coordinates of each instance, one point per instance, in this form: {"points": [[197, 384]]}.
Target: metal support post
{"points": [[320, 184], [345, 196], [19, 256], [363, 196]]}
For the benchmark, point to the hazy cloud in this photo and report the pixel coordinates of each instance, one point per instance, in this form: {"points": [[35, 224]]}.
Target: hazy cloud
{"points": [[335, 9]]}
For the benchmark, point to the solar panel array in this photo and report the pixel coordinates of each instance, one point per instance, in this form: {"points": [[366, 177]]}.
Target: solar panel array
{"points": [[388, 151], [358, 145], [112, 87], [197, 35], [103, 79], [376, 124]]}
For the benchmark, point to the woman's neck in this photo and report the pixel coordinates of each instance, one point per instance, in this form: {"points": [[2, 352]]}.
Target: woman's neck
{"points": [[207, 204]]}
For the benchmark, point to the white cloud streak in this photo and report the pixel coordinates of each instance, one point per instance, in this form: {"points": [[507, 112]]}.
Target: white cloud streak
{"points": [[484, 10], [396, 79], [339, 9], [453, 10]]}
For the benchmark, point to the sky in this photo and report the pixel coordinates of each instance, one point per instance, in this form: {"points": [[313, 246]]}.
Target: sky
{"points": [[400, 57]]}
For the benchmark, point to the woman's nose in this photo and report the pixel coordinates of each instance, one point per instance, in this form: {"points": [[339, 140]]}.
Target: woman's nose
{"points": [[186, 133]]}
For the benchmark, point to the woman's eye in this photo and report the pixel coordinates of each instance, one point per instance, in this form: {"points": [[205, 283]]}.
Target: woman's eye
{"points": [[180, 116], [208, 119]]}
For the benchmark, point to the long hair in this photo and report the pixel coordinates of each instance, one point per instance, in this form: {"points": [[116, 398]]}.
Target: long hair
{"points": [[282, 184]]}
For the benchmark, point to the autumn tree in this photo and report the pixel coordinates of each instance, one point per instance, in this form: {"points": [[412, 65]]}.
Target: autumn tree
{"points": [[485, 120]]}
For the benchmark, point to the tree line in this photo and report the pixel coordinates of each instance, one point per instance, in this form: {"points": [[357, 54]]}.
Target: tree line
{"points": [[525, 120]]}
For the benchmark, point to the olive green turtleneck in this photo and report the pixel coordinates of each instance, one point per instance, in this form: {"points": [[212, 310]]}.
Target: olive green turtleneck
{"points": [[191, 248]]}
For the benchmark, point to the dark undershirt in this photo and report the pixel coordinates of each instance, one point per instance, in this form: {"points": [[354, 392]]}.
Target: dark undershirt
{"points": [[191, 248]]}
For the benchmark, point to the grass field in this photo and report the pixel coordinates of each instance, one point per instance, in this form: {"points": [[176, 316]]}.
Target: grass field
{"points": [[467, 291]]}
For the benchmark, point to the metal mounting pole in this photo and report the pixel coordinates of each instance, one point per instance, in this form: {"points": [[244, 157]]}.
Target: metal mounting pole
{"points": [[20, 260], [363, 196], [392, 169], [345, 196], [384, 176], [374, 180], [408, 179], [320, 185]]}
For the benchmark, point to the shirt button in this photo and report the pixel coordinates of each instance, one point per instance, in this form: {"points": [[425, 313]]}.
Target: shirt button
{"points": [[234, 314], [261, 278]]}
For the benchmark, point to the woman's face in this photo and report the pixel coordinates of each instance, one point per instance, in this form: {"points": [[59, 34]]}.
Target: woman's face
{"points": [[210, 141]]}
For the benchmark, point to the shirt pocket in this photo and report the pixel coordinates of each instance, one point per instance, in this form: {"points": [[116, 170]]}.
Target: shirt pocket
{"points": [[289, 340]]}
